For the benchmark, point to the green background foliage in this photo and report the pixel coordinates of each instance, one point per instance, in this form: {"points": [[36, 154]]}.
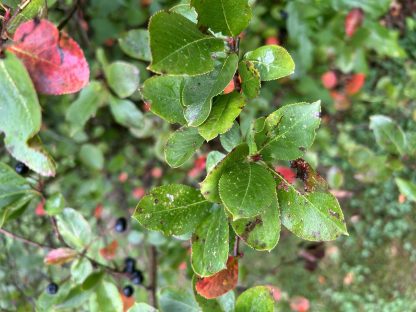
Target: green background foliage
{"points": [[363, 145]]}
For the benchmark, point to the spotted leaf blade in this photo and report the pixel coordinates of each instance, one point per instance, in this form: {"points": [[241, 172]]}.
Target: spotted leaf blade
{"points": [[272, 62], [246, 190], [198, 91], [288, 132], [210, 244], [172, 209], [20, 117], [229, 17], [181, 145], [178, 47], [314, 215], [261, 232]]}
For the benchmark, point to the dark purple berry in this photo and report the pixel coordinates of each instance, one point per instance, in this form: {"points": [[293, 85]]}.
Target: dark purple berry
{"points": [[52, 289], [21, 168], [129, 265], [128, 291], [137, 277], [121, 225]]}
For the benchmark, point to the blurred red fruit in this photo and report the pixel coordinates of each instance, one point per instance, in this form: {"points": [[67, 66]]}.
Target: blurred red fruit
{"points": [[199, 167], [123, 177], [329, 79], [353, 20], [156, 172], [138, 192], [98, 211], [272, 41], [355, 84], [276, 292], [40, 208], [146, 106], [299, 304]]}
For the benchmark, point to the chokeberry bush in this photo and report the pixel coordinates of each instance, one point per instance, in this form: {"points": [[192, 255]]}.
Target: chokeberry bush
{"points": [[156, 155]]}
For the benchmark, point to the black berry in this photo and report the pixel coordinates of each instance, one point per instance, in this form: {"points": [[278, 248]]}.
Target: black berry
{"points": [[128, 291], [21, 168], [121, 225], [129, 265], [137, 277], [52, 289]]}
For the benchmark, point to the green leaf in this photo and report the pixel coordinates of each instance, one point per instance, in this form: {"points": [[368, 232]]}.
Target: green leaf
{"points": [[178, 47], [123, 78], [80, 270], [258, 298], [209, 187], [165, 96], [74, 229], [210, 244], [288, 131], [108, 298], [54, 204], [231, 138], [85, 107], [141, 307], [181, 145], [76, 298], [224, 303], [91, 156], [272, 62], [225, 110], [34, 8], [172, 209], [229, 17], [20, 117], [407, 188], [199, 91], [177, 300], [246, 189], [250, 79], [126, 113], [15, 192], [213, 158], [136, 44], [314, 215], [388, 134], [186, 10], [261, 232]]}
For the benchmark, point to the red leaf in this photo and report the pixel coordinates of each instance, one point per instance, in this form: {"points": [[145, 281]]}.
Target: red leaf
{"points": [[198, 168], [355, 84], [55, 62], [109, 251], [60, 256], [98, 211], [329, 79], [287, 173], [276, 292], [220, 283], [128, 302], [353, 20], [230, 87]]}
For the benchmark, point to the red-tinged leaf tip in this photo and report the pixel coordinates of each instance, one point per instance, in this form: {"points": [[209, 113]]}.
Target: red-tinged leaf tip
{"points": [[60, 256], [220, 283], [329, 79], [355, 84], [353, 20], [109, 251], [54, 61], [128, 302]]}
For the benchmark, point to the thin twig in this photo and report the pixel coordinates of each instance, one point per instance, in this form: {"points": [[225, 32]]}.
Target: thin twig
{"points": [[23, 240], [69, 16], [237, 246], [153, 276]]}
